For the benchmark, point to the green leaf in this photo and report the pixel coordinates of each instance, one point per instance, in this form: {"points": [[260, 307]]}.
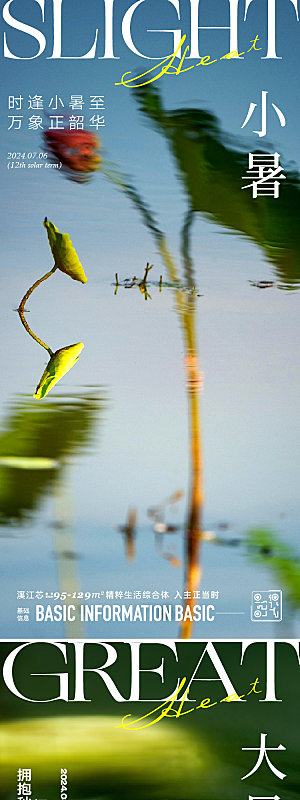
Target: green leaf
{"points": [[19, 462], [64, 254], [60, 363], [211, 169], [268, 549], [35, 433], [154, 762]]}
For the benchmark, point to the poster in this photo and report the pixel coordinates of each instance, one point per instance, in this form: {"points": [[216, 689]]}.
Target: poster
{"points": [[149, 453]]}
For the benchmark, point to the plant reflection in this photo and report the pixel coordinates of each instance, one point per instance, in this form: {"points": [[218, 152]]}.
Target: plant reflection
{"points": [[186, 310], [40, 441], [143, 284], [162, 528], [266, 548], [129, 534], [77, 151], [210, 167]]}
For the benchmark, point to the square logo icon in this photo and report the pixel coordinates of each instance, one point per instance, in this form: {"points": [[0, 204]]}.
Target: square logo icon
{"points": [[266, 606]]}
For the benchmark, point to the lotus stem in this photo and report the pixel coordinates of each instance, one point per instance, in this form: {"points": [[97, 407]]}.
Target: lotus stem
{"points": [[21, 310]]}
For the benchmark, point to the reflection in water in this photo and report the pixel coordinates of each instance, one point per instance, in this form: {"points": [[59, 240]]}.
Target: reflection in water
{"points": [[40, 440], [160, 528], [210, 167], [143, 284], [263, 284], [186, 310], [129, 533], [194, 528], [65, 552], [211, 171], [77, 151], [265, 547]]}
